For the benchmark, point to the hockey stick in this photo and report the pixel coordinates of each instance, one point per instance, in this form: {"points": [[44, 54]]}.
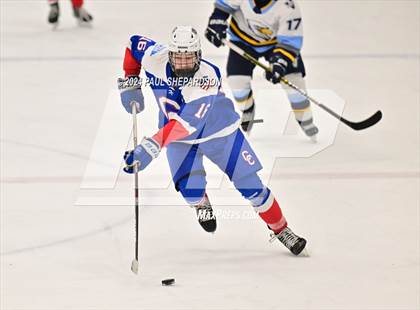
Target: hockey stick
{"points": [[135, 262], [372, 120]]}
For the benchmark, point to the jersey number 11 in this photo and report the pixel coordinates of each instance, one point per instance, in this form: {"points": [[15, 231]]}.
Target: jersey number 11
{"points": [[202, 110]]}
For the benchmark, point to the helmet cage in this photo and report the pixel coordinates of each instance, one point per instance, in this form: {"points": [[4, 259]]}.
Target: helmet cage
{"points": [[184, 51], [185, 64]]}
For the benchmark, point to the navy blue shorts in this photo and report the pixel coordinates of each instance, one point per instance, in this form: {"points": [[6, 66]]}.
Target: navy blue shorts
{"points": [[237, 65]]}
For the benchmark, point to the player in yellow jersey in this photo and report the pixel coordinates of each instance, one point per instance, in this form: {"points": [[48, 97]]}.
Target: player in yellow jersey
{"points": [[269, 29]]}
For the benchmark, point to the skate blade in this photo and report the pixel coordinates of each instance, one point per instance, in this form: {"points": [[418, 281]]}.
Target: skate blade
{"points": [[256, 121], [135, 266], [251, 124], [54, 26], [83, 24], [305, 253], [248, 133], [273, 237], [314, 139]]}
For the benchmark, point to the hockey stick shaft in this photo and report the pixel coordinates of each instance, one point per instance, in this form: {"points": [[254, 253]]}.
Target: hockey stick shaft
{"points": [[372, 120], [135, 262]]}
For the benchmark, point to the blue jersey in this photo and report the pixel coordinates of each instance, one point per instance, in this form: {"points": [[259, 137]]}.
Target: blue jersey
{"points": [[198, 103]]}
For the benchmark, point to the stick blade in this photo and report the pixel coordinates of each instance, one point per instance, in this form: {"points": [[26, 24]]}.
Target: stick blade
{"points": [[375, 118], [256, 121], [135, 266]]}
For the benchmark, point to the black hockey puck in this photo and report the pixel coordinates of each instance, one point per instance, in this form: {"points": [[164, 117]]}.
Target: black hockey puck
{"points": [[168, 282]]}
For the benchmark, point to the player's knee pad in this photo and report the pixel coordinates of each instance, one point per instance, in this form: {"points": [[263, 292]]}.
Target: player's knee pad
{"points": [[299, 103], [296, 79], [250, 187], [301, 106], [241, 90], [258, 194], [192, 186], [264, 201]]}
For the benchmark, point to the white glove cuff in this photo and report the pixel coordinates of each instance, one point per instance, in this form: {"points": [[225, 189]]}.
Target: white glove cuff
{"points": [[151, 147]]}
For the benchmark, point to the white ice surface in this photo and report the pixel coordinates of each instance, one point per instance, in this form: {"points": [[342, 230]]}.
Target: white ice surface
{"points": [[357, 202]]}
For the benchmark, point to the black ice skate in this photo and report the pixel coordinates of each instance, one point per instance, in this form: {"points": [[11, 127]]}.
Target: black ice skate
{"points": [[205, 215], [54, 13], [83, 17], [309, 129], [247, 120], [292, 241]]}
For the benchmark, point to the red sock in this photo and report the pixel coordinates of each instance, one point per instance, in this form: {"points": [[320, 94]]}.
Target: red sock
{"points": [[272, 215], [77, 3]]}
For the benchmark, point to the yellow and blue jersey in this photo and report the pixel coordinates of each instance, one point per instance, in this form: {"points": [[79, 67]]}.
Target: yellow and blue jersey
{"points": [[276, 25]]}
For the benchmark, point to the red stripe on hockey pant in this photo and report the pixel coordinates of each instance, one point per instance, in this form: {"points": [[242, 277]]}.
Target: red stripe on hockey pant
{"points": [[77, 3], [131, 66], [172, 131], [274, 218]]}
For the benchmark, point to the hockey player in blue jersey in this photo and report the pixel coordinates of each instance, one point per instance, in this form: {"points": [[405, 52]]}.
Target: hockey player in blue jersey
{"points": [[196, 120], [263, 28]]}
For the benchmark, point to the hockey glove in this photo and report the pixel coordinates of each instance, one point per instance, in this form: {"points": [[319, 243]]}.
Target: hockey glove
{"points": [[216, 28], [279, 65], [130, 92], [142, 156]]}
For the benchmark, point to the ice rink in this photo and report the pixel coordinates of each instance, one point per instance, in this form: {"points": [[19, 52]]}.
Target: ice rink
{"points": [[356, 201]]}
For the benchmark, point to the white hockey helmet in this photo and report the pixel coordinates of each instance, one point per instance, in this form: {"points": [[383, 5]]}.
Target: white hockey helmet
{"points": [[184, 51]]}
